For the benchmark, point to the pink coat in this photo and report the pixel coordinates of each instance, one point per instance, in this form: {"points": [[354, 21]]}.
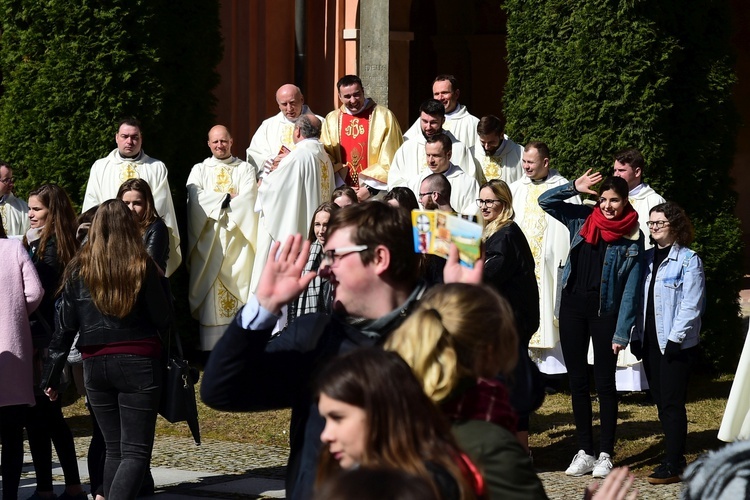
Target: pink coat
{"points": [[21, 293]]}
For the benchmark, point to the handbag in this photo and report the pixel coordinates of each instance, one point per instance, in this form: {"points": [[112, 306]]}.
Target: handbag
{"points": [[178, 403]]}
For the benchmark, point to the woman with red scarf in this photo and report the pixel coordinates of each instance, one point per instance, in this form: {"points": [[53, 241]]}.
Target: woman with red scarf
{"points": [[598, 303]]}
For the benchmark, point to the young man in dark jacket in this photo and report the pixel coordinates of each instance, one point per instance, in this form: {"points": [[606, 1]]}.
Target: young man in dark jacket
{"points": [[369, 255]]}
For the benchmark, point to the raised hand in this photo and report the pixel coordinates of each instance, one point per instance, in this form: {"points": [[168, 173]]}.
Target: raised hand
{"points": [[282, 279], [614, 487], [454, 272], [585, 182]]}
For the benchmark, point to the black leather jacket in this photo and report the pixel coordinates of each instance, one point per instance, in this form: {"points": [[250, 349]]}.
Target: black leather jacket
{"points": [[78, 314], [156, 239]]}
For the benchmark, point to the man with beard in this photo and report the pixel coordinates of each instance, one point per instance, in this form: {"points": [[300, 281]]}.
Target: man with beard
{"points": [[499, 157], [410, 159], [435, 193], [458, 120], [361, 138], [464, 188], [273, 139], [129, 161], [222, 226]]}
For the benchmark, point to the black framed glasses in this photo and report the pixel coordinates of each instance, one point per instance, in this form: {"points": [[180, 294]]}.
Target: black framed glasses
{"points": [[9, 180], [486, 203], [657, 224], [428, 193]]}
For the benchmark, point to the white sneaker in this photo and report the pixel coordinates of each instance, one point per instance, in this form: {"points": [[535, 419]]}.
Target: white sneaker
{"points": [[603, 465], [581, 464]]}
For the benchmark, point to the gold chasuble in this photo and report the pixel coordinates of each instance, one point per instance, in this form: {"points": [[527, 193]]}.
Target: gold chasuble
{"points": [[367, 148]]}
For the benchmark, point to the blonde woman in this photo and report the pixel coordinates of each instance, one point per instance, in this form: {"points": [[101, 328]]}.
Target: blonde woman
{"points": [[459, 338], [509, 269]]}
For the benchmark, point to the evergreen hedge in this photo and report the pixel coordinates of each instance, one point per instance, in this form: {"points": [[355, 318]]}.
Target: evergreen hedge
{"points": [[592, 77], [72, 69]]}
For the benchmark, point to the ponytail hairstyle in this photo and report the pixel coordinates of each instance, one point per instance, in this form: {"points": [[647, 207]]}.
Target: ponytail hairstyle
{"points": [[61, 223], [113, 263], [457, 331]]}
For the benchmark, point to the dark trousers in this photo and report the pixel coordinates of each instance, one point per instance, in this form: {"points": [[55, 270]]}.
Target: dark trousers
{"points": [[96, 457], [579, 322], [46, 423], [668, 380], [11, 433], [124, 392]]}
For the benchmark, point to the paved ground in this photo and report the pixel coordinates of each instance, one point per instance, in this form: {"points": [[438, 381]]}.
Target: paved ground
{"points": [[221, 469]]}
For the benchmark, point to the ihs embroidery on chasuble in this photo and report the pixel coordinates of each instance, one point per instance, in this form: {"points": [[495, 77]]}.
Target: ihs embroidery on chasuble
{"points": [[223, 180], [128, 171], [491, 168]]}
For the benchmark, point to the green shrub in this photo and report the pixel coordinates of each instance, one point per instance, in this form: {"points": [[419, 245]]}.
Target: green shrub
{"points": [[590, 78], [71, 70]]}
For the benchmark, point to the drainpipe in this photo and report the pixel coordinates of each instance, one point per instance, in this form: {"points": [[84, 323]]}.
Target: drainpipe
{"points": [[300, 41]]}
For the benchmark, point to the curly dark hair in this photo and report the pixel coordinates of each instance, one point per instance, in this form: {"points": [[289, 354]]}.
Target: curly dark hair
{"points": [[679, 224]]}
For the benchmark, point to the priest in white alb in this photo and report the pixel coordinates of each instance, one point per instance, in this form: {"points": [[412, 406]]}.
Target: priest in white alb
{"points": [[550, 243], [630, 165], [129, 161], [458, 120], [499, 157], [410, 159], [222, 228], [464, 188], [14, 212], [288, 196], [273, 139]]}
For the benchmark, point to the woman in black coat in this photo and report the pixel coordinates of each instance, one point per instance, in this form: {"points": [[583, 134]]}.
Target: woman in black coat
{"points": [[509, 268]]}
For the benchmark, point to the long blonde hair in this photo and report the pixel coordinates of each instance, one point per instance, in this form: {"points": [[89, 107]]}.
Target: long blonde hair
{"points": [[457, 331], [506, 215], [113, 262]]}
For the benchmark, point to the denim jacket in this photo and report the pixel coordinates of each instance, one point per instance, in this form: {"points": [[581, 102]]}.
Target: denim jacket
{"points": [[679, 297], [621, 272]]}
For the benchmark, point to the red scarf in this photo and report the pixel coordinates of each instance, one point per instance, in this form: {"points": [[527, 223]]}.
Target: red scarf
{"points": [[598, 226]]}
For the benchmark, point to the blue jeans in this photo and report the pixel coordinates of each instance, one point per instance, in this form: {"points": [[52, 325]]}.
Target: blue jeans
{"points": [[124, 392]]}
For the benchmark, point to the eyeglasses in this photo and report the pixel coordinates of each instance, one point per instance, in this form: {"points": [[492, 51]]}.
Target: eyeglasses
{"points": [[329, 256], [657, 224], [486, 203], [428, 193], [9, 180]]}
